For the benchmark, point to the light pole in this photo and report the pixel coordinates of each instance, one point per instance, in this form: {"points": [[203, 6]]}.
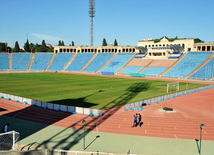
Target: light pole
{"points": [[83, 122], [201, 127]]}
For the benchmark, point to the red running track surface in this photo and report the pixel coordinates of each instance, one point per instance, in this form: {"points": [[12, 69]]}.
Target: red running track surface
{"points": [[190, 111]]}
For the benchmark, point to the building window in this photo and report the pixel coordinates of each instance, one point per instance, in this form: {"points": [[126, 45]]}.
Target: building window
{"points": [[212, 48], [199, 48], [203, 48], [208, 48]]}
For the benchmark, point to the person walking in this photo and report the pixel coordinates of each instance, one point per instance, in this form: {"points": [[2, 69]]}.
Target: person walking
{"points": [[5, 128], [135, 121], [139, 119]]}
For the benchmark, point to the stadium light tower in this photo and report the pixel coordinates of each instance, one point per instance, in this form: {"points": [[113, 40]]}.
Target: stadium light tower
{"points": [[92, 15]]}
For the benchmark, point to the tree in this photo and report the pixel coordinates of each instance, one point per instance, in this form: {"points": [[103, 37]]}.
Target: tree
{"points": [[32, 48], [43, 43], [72, 44], [2, 47], [60, 43], [16, 48], [115, 43], [27, 46], [43, 47], [104, 42], [63, 43]]}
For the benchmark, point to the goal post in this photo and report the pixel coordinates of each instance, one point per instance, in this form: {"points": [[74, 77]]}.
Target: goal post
{"points": [[174, 85], [8, 140]]}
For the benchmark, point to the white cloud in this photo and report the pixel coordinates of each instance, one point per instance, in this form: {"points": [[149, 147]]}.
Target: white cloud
{"points": [[46, 37]]}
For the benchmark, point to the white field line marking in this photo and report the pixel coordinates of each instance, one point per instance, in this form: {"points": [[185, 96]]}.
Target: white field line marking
{"points": [[176, 137], [119, 126]]}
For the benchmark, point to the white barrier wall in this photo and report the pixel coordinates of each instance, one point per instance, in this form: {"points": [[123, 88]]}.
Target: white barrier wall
{"points": [[79, 110], [64, 107], [56, 106], [87, 111], [71, 108], [50, 105]]}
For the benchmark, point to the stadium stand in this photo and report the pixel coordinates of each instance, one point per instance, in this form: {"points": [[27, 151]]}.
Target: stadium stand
{"points": [[41, 61], [120, 60], [20, 61], [79, 62], [154, 71], [98, 62], [60, 60], [162, 63], [206, 72], [131, 69], [189, 63], [139, 62], [174, 55], [4, 61]]}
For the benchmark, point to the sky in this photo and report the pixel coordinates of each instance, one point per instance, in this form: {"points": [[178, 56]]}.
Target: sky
{"points": [[128, 21]]}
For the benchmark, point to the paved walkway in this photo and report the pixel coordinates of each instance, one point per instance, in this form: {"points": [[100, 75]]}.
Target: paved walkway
{"points": [[65, 138]]}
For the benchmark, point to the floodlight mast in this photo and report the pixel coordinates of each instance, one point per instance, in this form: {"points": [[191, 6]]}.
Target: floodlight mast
{"points": [[92, 15]]}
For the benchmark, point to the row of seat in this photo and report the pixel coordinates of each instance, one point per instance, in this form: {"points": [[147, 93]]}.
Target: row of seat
{"points": [[20, 61]]}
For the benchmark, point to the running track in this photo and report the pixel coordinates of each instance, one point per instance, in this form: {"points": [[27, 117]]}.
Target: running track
{"points": [[190, 111]]}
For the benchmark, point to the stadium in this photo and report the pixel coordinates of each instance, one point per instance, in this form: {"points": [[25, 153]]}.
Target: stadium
{"points": [[82, 99]]}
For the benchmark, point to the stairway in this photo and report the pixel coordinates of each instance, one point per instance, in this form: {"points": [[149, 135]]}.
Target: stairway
{"points": [[53, 56], [70, 61], [145, 66], [89, 62], [125, 64], [10, 60], [106, 63], [31, 61]]}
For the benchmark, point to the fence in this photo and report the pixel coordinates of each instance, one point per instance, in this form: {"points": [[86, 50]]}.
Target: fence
{"points": [[58, 107], [131, 106], [67, 152]]}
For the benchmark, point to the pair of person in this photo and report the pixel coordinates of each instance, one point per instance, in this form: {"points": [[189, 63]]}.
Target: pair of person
{"points": [[137, 120]]}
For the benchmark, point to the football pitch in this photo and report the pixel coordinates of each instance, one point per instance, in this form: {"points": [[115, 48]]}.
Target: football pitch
{"points": [[88, 91]]}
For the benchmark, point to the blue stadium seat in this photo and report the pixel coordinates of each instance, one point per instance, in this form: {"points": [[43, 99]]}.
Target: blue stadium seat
{"points": [[189, 63], [117, 62], [80, 61], [206, 72], [4, 61], [154, 71], [98, 62], [21, 61], [41, 61], [60, 61], [131, 69]]}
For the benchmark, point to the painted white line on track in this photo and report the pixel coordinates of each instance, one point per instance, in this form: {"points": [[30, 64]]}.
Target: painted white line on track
{"points": [[119, 126], [96, 126], [145, 132], [176, 137]]}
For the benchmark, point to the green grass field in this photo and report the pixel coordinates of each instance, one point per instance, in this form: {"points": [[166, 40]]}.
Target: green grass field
{"points": [[83, 90]]}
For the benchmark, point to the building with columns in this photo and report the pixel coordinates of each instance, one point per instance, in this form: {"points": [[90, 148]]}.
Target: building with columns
{"points": [[99, 49], [204, 46]]}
